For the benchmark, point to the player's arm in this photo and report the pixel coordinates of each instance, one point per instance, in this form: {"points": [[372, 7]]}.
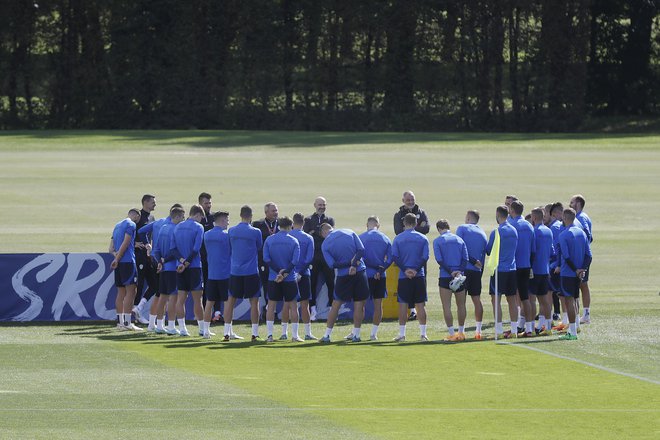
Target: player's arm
{"points": [[387, 261], [145, 230], [437, 251], [491, 241], [464, 259], [122, 250], [328, 258], [359, 250], [111, 248], [197, 245]]}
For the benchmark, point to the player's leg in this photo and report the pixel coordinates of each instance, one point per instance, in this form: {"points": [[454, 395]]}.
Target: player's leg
{"points": [[461, 312], [181, 312], [292, 307], [329, 275], [198, 309], [131, 290], [445, 300], [332, 317], [270, 315], [208, 315], [171, 314], [420, 297], [119, 306], [586, 303], [229, 316]]}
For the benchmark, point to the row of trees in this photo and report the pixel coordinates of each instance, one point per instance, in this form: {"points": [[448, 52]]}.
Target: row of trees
{"points": [[326, 64]]}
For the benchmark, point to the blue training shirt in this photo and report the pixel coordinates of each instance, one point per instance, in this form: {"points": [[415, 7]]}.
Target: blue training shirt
{"points": [[508, 245], [306, 243], [188, 236], [245, 244], [574, 246], [150, 230], [526, 246], [218, 253], [544, 250], [281, 251], [475, 239], [164, 248], [585, 222], [341, 249], [377, 252], [410, 250], [126, 226], [450, 253]]}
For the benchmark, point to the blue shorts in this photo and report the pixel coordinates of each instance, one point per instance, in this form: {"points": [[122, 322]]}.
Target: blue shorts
{"points": [[245, 286], [217, 290], [284, 291], [190, 280], [304, 288], [506, 283], [538, 285], [554, 282], [125, 275], [473, 282], [378, 288], [167, 283], [412, 291], [570, 287], [352, 287]]}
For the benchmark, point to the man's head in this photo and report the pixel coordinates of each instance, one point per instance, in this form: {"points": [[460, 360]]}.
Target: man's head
{"points": [[373, 222], [326, 229], [298, 220], [319, 205], [509, 199], [442, 225], [516, 208], [547, 217], [568, 217], [409, 221], [285, 223], [177, 214], [557, 211], [148, 202], [270, 211], [408, 199], [577, 202], [196, 213], [472, 217], [221, 218], [501, 213], [246, 214], [537, 216], [204, 200], [134, 215]]}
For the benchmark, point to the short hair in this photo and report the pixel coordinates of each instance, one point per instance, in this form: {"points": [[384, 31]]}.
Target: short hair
{"points": [[537, 213], [528, 217], [548, 208], [220, 214], [203, 195], [325, 227], [176, 205], [268, 205], [177, 211], [502, 211], [373, 219], [555, 206], [474, 214], [512, 197], [285, 222], [410, 219], [408, 192], [196, 209], [147, 197], [298, 218], [134, 210], [517, 207], [246, 212], [443, 223], [569, 212], [580, 198]]}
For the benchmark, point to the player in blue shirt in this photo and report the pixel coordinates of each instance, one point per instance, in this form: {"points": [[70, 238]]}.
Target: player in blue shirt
{"points": [[476, 240], [538, 285], [165, 256], [377, 258], [410, 252], [343, 251], [281, 254], [524, 257], [452, 255], [506, 272], [218, 257], [122, 246], [575, 261], [188, 238], [303, 274], [244, 282], [577, 203]]}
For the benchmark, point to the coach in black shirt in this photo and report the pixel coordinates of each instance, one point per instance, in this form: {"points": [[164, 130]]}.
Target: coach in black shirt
{"points": [[312, 226], [145, 269], [268, 226]]}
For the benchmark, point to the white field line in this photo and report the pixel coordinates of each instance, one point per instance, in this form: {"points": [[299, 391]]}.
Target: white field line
{"points": [[317, 408], [579, 361]]}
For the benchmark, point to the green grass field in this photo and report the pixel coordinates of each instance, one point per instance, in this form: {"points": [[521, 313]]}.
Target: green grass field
{"points": [[64, 191]]}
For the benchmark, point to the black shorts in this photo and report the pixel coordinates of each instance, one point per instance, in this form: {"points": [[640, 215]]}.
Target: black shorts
{"points": [[217, 290], [245, 286], [304, 288], [570, 287], [125, 275], [378, 288], [473, 282], [167, 283], [522, 283], [444, 284], [412, 291], [190, 280], [284, 291], [506, 283], [554, 283], [538, 285], [352, 287]]}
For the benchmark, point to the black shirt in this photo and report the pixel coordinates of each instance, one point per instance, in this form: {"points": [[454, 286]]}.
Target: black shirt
{"points": [[421, 218], [312, 226]]}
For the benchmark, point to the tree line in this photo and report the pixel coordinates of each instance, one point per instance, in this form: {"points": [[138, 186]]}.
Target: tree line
{"points": [[517, 65]]}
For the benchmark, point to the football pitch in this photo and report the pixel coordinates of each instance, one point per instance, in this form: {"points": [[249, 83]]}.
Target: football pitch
{"points": [[64, 191]]}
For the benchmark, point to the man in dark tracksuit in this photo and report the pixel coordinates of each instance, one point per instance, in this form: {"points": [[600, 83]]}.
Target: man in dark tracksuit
{"points": [[312, 226]]}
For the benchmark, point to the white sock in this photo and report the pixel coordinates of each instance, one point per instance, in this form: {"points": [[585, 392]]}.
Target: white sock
{"points": [[200, 324], [328, 332], [160, 324], [227, 329], [170, 324], [478, 330], [313, 310], [142, 303], [529, 327], [231, 328], [402, 330], [182, 323], [514, 327], [308, 329], [450, 329], [577, 322], [374, 330], [499, 328], [152, 320], [548, 323], [207, 327], [294, 329], [422, 329], [357, 331], [585, 312], [564, 318], [541, 322], [521, 320], [127, 318], [572, 329], [255, 329], [269, 327], [461, 329], [285, 329]]}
